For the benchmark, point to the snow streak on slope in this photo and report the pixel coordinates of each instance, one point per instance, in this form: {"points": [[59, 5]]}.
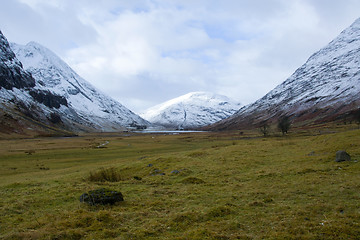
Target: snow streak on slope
{"points": [[86, 104], [191, 110]]}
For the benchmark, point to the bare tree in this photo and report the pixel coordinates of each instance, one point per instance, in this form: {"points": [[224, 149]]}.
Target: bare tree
{"points": [[284, 124], [264, 129]]}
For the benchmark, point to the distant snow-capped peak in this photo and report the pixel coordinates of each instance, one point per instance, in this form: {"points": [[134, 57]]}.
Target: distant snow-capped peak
{"points": [[192, 110]]}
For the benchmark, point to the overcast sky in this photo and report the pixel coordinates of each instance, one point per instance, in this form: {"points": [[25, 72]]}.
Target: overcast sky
{"points": [[144, 52]]}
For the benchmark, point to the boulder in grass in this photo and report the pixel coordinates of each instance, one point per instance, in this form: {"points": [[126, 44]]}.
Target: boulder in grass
{"points": [[101, 196], [342, 156]]}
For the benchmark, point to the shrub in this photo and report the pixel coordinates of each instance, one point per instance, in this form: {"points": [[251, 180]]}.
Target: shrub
{"points": [[105, 175]]}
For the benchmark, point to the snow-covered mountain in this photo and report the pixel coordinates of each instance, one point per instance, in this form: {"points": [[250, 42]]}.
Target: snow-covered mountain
{"points": [[325, 88], [20, 113], [85, 104], [191, 110]]}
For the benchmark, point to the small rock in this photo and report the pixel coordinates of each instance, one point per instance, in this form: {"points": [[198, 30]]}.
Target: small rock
{"points": [[30, 152], [101, 196], [103, 145], [311, 153], [156, 172], [137, 178], [150, 165], [175, 171], [342, 156]]}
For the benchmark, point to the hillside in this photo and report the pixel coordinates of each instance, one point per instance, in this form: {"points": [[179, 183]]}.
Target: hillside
{"points": [[325, 88]]}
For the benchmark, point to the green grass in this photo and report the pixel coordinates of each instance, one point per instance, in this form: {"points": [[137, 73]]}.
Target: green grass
{"points": [[227, 186]]}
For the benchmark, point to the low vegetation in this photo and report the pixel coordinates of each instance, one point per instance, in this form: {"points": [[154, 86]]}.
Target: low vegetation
{"points": [[105, 175], [186, 186]]}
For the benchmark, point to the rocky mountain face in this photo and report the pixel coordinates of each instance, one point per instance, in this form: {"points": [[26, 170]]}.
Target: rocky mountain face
{"points": [[192, 110], [40, 91], [325, 88], [11, 69], [19, 112]]}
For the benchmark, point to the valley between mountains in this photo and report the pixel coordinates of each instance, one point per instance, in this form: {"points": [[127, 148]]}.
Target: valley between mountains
{"points": [[64, 142], [37, 86]]}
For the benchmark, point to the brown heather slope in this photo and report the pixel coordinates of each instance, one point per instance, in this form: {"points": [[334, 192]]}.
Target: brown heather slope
{"points": [[308, 117]]}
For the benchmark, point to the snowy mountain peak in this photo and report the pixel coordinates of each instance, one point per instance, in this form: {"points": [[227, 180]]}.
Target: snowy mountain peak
{"points": [[192, 110], [201, 97], [38, 59], [11, 70], [87, 104]]}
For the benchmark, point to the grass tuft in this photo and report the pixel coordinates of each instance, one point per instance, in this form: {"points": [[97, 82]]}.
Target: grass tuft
{"points": [[105, 175], [192, 180], [221, 211], [198, 154]]}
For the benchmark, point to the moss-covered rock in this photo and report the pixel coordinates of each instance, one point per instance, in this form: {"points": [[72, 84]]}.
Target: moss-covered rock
{"points": [[342, 156], [101, 196]]}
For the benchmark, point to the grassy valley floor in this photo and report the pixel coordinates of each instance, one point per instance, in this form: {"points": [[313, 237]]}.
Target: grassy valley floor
{"points": [[227, 186]]}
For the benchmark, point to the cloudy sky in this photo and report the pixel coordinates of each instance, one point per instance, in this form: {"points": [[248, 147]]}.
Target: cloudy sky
{"points": [[144, 52]]}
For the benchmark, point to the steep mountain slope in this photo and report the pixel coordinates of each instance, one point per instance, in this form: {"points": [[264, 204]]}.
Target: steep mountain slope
{"points": [[85, 105], [19, 112], [325, 88], [191, 110], [11, 70]]}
